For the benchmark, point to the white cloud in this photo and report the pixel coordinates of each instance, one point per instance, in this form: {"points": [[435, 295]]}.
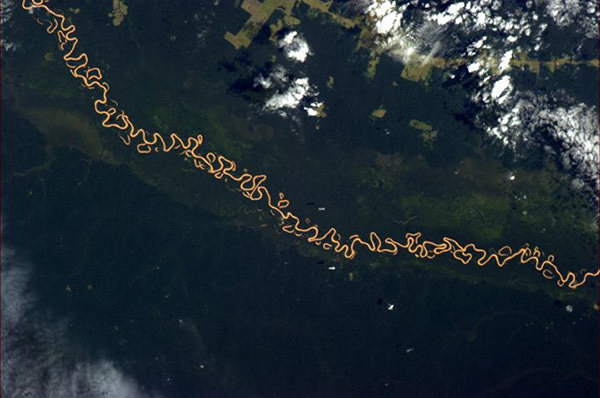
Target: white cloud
{"points": [[289, 96], [387, 16], [569, 131], [488, 33], [582, 15], [292, 97], [501, 89], [294, 46], [313, 108], [474, 67], [451, 14], [505, 61], [277, 76]]}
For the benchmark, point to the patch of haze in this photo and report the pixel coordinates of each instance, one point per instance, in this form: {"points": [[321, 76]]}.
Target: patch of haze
{"points": [[37, 359], [7, 7], [6, 10]]}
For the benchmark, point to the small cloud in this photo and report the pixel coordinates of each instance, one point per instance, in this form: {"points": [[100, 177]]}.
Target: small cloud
{"points": [[292, 97], [294, 46], [501, 89], [297, 94], [277, 77]]}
